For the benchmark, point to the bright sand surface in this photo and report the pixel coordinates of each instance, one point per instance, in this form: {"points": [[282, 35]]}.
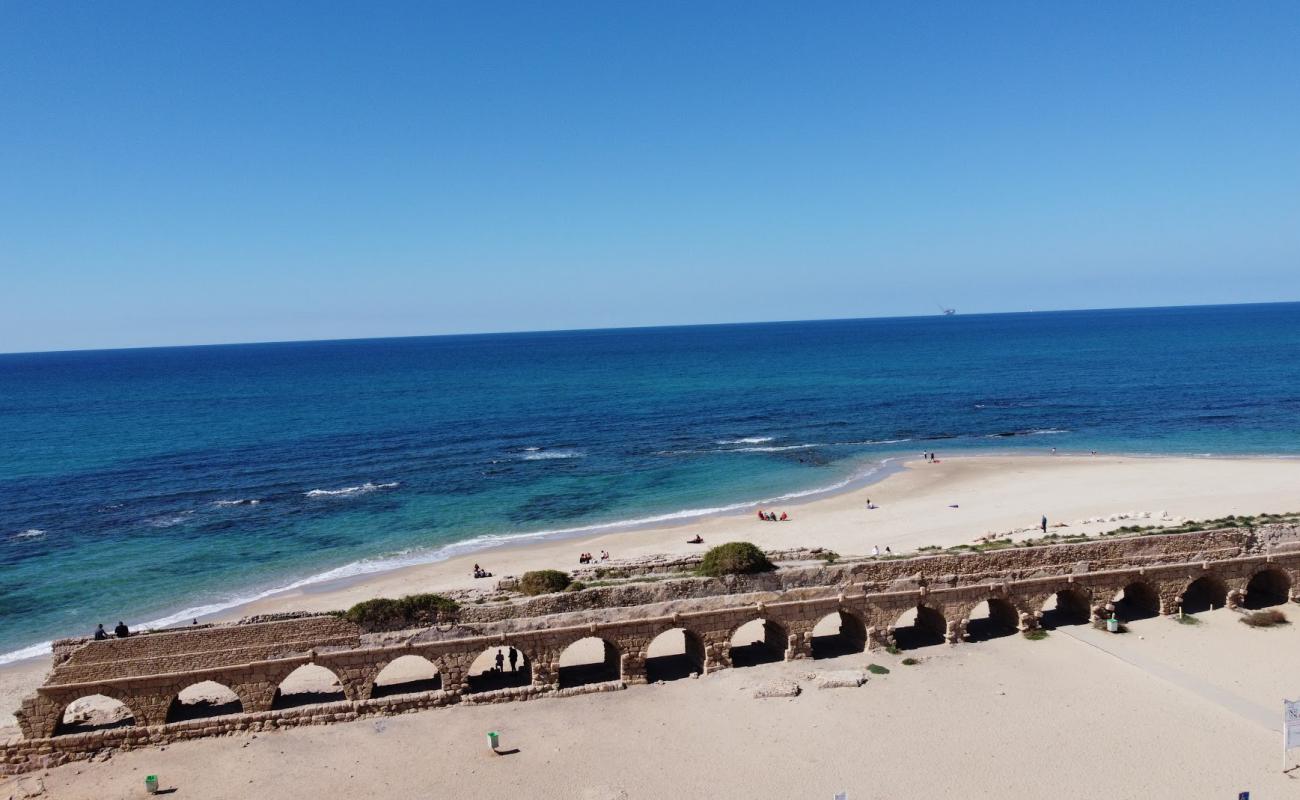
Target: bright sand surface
{"points": [[1164, 711], [992, 494]]}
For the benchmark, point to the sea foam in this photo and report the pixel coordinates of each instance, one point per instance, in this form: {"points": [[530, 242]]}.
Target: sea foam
{"points": [[349, 491]]}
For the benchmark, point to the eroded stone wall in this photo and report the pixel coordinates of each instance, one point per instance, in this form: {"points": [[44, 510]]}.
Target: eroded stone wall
{"points": [[147, 673]]}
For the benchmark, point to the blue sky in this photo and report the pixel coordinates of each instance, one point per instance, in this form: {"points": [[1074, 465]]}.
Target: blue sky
{"points": [[190, 172]]}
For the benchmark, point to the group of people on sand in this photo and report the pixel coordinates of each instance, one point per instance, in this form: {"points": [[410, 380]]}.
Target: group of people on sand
{"points": [[930, 457], [121, 631], [587, 558], [875, 550], [479, 572], [770, 516]]}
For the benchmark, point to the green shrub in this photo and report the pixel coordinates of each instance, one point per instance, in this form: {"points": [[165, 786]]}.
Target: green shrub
{"points": [[829, 556], [876, 669], [1036, 634], [1187, 619], [892, 649], [576, 586], [734, 558], [386, 614], [910, 662], [544, 581]]}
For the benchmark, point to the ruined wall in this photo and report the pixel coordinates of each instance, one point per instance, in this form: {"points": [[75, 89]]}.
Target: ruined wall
{"points": [[147, 673]]}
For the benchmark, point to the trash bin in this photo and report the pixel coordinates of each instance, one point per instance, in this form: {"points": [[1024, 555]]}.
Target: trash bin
{"points": [[494, 739], [151, 784]]}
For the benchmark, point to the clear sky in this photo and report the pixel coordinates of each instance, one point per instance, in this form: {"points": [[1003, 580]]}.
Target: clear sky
{"points": [[185, 172]]}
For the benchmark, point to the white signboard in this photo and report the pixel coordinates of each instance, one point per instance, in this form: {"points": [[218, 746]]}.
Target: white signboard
{"points": [[1290, 727]]}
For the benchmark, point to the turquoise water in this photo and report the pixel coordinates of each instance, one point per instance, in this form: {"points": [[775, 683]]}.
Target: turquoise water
{"points": [[164, 483]]}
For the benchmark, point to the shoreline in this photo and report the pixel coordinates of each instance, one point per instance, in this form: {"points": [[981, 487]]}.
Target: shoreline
{"points": [[918, 504], [497, 549]]}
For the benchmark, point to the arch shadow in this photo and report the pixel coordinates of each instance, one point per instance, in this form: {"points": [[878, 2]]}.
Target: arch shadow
{"points": [[488, 673], [759, 641], [1138, 600], [1066, 607], [999, 618], [1268, 587], [406, 674], [674, 654], [1203, 594], [589, 660], [202, 700], [308, 685], [94, 712], [838, 634], [921, 626]]}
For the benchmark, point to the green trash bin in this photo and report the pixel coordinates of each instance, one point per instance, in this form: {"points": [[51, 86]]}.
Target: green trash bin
{"points": [[494, 739], [151, 784]]}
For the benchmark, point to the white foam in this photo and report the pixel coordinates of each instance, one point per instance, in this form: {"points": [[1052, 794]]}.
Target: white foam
{"points": [[239, 502], [348, 491], [746, 440], [407, 558], [35, 651], [175, 519], [779, 449], [546, 455], [30, 533]]}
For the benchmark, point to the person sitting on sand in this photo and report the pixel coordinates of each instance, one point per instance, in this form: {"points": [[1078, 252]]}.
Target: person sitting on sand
{"points": [[888, 552], [784, 516], [100, 633], [761, 515], [121, 630], [875, 549], [697, 540]]}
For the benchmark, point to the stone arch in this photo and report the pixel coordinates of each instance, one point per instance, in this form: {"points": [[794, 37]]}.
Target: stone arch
{"points": [[1269, 586], [406, 675], [920, 626], [1069, 606], [94, 712], [589, 660], [486, 674], [308, 685], [839, 633], [1203, 594], [673, 654], [991, 619], [1137, 600], [202, 700], [758, 641]]}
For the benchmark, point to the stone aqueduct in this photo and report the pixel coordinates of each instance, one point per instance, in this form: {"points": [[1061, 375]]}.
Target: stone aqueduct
{"points": [[1138, 576]]}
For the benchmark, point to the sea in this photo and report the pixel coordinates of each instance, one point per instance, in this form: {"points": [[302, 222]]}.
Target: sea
{"points": [[156, 485]]}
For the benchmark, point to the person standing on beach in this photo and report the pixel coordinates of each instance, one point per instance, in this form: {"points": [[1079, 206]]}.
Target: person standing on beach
{"points": [[875, 549], [514, 658], [1044, 523], [500, 661]]}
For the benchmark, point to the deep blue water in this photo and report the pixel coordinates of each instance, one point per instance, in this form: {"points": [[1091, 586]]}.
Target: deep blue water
{"points": [[126, 476]]}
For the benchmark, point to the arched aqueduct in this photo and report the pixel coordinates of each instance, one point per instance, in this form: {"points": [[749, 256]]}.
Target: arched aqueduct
{"points": [[632, 634]]}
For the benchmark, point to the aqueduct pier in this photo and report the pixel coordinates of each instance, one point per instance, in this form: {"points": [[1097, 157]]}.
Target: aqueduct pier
{"points": [[794, 613]]}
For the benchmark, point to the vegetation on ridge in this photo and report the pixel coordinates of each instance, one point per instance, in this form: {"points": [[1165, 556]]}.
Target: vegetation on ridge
{"points": [[734, 558], [413, 610], [544, 581]]}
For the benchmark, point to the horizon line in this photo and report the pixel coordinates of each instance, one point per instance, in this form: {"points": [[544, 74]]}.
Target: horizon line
{"points": [[666, 326]]}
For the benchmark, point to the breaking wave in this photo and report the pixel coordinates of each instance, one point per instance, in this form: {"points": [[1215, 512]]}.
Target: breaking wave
{"points": [[746, 440], [349, 491], [537, 454], [239, 502], [30, 533]]}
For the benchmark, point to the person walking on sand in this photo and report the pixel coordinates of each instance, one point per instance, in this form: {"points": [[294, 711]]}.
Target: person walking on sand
{"points": [[1044, 523]]}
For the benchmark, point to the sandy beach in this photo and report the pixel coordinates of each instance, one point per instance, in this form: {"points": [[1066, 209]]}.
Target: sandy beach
{"points": [[1167, 710], [954, 501]]}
